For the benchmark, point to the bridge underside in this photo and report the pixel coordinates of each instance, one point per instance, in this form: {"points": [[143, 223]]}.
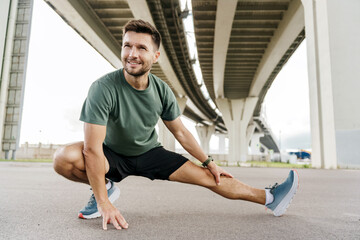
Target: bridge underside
{"points": [[242, 45], [252, 31]]}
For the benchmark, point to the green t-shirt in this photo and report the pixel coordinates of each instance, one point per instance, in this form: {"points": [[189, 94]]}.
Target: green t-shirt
{"points": [[130, 115]]}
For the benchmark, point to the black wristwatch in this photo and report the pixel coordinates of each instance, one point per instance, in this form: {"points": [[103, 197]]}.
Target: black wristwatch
{"points": [[208, 160]]}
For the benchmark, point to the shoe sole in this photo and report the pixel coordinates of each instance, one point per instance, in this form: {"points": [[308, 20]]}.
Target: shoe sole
{"points": [[115, 195], [284, 204]]}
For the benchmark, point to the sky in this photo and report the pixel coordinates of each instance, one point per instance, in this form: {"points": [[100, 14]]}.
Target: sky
{"points": [[62, 66], [287, 103]]}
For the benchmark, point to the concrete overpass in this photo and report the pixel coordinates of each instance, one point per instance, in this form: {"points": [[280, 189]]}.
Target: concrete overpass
{"points": [[242, 45]]}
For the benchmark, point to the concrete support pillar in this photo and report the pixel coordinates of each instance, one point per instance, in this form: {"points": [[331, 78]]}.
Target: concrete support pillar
{"points": [[249, 132], [165, 136], [15, 24], [205, 133], [237, 114], [222, 149], [4, 18], [8, 10], [255, 143], [333, 36], [6, 154]]}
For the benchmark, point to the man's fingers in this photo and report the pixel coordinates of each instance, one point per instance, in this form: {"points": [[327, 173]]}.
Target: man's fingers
{"points": [[105, 222], [217, 178], [120, 219], [227, 174], [115, 223]]}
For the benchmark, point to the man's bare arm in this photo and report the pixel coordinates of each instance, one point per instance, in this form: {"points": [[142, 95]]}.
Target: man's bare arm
{"points": [[187, 140], [95, 160], [95, 165]]}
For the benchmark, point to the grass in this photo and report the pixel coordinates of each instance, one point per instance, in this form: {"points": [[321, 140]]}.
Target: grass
{"points": [[265, 164], [278, 165], [258, 164]]}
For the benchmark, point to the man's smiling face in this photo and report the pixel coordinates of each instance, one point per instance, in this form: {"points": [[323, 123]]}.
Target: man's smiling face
{"points": [[138, 53]]}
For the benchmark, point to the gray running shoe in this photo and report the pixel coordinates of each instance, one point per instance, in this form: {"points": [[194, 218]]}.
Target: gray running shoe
{"points": [[91, 210], [283, 194]]}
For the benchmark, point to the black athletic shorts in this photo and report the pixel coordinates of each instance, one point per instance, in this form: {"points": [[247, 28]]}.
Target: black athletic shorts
{"points": [[157, 163]]}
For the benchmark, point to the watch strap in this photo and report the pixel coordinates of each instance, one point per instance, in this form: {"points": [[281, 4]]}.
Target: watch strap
{"points": [[207, 161]]}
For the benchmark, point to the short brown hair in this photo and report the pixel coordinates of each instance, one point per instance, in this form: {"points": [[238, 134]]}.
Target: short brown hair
{"points": [[141, 26]]}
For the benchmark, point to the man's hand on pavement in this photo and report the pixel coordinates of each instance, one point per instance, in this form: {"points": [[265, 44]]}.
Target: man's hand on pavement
{"points": [[217, 172], [111, 213]]}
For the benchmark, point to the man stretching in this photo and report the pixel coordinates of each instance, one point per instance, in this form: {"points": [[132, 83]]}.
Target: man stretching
{"points": [[120, 114]]}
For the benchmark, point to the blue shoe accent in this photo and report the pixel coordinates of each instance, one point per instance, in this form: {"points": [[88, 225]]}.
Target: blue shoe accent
{"points": [[91, 210], [283, 194]]}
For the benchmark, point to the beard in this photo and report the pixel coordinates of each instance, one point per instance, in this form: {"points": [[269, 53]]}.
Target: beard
{"points": [[136, 73]]}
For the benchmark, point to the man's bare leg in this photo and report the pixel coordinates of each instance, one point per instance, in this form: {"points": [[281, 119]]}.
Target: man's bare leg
{"points": [[69, 162], [230, 187]]}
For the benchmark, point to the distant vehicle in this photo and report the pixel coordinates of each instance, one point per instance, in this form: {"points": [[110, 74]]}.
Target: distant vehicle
{"points": [[301, 154]]}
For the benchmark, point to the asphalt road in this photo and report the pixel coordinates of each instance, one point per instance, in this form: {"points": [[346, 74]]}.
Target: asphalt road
{"points": [[36, 203]]}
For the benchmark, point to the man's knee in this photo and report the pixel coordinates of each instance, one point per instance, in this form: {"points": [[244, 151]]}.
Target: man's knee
{"points": [[68, 157]]}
